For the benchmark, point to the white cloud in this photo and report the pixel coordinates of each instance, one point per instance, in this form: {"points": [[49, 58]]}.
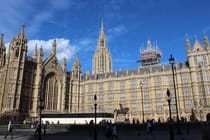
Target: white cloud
{"points": [[117, 30], [7, 46], [64, 48], [33, 13], [12, 16], [87, 44], [37, 21]]}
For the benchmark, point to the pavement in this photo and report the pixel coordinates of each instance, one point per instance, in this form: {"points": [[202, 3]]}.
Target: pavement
{"points": [[123, 134]]}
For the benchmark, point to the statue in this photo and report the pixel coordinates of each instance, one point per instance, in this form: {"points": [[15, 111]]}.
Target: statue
{"points": [[122, 110]]}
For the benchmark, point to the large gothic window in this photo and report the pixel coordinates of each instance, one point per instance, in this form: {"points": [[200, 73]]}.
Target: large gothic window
{"points": [[51, 92]]}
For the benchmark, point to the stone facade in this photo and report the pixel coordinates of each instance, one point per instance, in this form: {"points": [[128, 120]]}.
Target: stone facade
{"points": [[24, 79]]}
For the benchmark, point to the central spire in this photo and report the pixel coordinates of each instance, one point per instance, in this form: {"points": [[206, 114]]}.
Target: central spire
{"points": [[102, 29], [102, 61], [102, 37]]}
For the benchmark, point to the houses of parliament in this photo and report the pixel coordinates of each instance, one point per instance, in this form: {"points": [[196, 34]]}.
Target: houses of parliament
{"points": [[27, 80]]}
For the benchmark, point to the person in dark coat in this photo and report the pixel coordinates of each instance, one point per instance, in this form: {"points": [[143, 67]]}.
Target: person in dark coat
{"points": [[9, 129], [38, 126]]}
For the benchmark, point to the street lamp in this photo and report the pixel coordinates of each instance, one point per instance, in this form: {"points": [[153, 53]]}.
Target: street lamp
{"points": [[171, 132], [169, 103], [41, 105], [40, 118], [142, 104], [95, 105], [172, 62]]}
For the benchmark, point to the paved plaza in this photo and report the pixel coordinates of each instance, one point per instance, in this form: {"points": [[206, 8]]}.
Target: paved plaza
{"points": [[123, 133]]}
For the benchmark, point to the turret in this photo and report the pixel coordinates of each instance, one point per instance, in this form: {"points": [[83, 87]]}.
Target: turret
{"points": [[54, 44], [187, 42], [76, 64], [2, 51], [206, 41], [40, 55], [18, 46], [22, 37], [35, 52], [1, 40], [64, 64], [76, 69], [22, 33], [149, 44], [16, 64], [197, 45]]}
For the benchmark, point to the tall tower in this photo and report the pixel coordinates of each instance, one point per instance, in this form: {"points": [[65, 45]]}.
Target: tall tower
{"points": [[15, 67], [75, 86], [102, 60]]}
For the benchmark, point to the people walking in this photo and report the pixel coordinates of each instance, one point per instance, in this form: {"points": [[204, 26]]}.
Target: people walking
{"points": [[45, 128], [114, 132], [91, 128], [150, 135], [9, 129], [149, 126], [38, 126], [108, 133]]}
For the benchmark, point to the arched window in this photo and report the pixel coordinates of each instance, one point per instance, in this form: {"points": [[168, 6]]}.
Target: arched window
{"points": [[51, 92]]}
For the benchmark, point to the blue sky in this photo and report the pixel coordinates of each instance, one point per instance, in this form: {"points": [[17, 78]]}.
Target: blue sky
{"points": [[128, 25]]}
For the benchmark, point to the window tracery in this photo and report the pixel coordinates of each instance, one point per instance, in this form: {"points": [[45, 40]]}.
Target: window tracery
{"points": [[51, 92]]}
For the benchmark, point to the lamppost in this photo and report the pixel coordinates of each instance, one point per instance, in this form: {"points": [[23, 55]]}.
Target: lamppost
{"points": [[41, 105], [40, 117], [142, 104], [171, 132], [169, 103], [172, 62], [95, 105]]}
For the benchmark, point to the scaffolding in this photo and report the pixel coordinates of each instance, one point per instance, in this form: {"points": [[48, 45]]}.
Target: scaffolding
{"points": [[150, 56]]}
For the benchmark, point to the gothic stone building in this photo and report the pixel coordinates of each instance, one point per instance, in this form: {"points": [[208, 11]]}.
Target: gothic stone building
{"points": [[24, 80]]}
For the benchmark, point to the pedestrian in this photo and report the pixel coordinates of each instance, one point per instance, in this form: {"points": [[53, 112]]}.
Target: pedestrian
{"points": [[108, 132], [91, 127], [9, 129], [149, 125], [38, 127], [114, 132], [45, 127]]}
